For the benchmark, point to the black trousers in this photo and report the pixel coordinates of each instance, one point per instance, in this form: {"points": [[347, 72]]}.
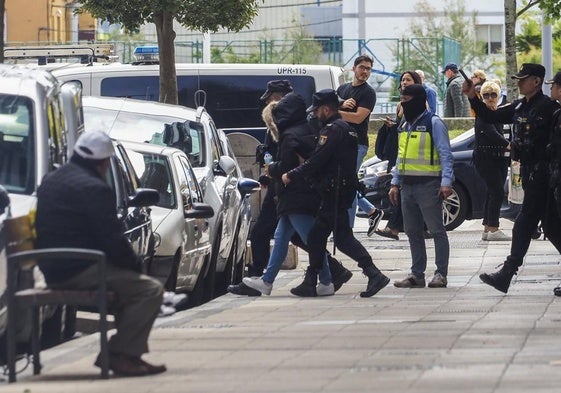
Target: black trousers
{"points": [[262, 233], [538, 204], [493, 171], [345, 241]]}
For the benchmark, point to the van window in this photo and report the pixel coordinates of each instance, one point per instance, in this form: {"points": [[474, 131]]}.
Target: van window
{"points": [[232, 100], [17, 157], [57, 134]]}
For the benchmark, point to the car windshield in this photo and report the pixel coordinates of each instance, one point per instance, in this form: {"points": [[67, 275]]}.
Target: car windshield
{"points": [[140, 127], [17, 158], [155, 173]]}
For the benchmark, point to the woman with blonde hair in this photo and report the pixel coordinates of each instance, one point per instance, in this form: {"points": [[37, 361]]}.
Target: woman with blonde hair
{"points": [[491, 163]]}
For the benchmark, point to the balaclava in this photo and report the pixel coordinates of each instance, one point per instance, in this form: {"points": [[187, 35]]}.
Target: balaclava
{"points": [[418, 103]]}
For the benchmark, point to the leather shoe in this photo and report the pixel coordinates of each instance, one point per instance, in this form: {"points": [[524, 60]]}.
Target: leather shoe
{"points": [[130, 366]]}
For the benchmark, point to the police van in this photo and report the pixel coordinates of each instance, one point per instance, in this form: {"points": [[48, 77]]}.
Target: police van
{"points": [[232, 92]]}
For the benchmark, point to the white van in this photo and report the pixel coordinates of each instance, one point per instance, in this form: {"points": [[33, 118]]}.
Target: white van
{"points": [[232, 92]]}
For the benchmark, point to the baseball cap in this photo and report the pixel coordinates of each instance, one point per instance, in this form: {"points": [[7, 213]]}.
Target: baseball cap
{"points": [[530, 69], [323, 97], [414, 90], [94, 145], [276, 86], [556, 79], [450, 66]]}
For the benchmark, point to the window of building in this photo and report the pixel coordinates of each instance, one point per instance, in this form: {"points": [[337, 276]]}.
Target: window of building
{"points": [[492, 35]]}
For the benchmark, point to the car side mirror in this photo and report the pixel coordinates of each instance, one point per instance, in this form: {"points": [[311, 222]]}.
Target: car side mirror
{"points": [[4, 200], [144, 197], [226, 165], [247, 186], [199, 210]]}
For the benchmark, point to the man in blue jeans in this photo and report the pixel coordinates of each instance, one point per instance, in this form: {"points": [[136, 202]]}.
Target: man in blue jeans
{"points": [[359, 101], [423, 175]]}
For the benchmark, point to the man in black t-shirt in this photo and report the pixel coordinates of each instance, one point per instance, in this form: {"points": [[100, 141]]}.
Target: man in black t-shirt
{"points": [[359, 101]]}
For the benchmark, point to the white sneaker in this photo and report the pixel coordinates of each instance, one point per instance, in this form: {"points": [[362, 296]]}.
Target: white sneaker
{"points": [[173, 299], [498, 235], [484, 235], [257, 283], [325, 289], [166, 311]]}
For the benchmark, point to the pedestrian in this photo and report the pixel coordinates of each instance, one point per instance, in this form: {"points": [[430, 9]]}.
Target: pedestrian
{"points": [[455, 103], [491, 163], [532, 118], [422, 178], [76, 208], [332, 168], [431, 93], [297, 203], [359, 101], [502, 100], [478, 78], [555, 155]]}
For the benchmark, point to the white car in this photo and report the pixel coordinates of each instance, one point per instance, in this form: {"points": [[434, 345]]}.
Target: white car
{"points": [[179, 220], [193, 132]]}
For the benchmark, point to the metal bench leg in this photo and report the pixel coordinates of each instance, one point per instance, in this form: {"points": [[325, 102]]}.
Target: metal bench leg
{"points": [[36, 340], [11, 343], [103, 347]]}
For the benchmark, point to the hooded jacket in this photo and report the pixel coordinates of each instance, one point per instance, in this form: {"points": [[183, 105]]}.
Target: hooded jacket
{"points": [[296, 144]]}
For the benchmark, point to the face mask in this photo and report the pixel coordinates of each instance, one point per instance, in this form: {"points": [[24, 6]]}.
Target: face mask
{"points": [[413, 108]]}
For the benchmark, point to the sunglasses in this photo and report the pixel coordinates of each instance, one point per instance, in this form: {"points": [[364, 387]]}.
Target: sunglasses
{"points": [[489, 95]]}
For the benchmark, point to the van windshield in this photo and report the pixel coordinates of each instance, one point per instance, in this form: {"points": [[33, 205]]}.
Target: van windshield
{"points": [[17, 158], [182, 134]]}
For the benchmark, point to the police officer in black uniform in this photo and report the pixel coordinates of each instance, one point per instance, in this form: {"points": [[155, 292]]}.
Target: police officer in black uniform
{"points": [[332, 169], [532, 118]]}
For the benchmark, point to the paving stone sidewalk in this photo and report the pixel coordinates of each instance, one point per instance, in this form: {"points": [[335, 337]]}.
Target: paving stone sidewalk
{"points": [[464, 338]]}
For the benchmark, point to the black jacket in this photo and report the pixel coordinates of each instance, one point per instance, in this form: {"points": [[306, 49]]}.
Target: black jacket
{"points": [[296, 139], [489, 139], [334, 159], [76, 208]]}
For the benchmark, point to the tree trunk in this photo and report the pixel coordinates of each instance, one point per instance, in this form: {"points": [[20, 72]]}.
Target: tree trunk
{"points": [[166, 38], [510, 49]]}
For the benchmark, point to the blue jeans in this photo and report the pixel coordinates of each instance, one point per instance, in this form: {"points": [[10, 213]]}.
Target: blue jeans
{"points": [[289, 224], [420, 202], [363, 203]]}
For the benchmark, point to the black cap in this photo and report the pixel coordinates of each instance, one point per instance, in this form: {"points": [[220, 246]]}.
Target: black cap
{"points": [[414, 90], [276, 86], [530, 69], [450, 66], [323, 97], [556, 79]]}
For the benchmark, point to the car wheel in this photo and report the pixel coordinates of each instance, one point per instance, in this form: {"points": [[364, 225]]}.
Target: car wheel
{"points": [[210, 278], [171, 282], [197, 296], [454, 208]]}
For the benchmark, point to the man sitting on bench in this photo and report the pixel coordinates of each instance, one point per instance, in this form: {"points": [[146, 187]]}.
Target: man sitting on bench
{"points": [[76, 208]]}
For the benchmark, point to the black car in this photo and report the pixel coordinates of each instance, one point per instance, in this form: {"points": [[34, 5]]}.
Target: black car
{"points": [[468, 190]]}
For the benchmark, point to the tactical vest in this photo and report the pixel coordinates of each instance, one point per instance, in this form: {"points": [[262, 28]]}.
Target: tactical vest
{"points": [[417, 155]]}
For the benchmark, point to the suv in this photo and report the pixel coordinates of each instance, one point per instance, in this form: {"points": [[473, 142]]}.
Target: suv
{"points": [[192, 131]]}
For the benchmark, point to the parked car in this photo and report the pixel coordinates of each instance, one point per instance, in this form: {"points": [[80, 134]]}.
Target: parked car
{"points": [[468, 189], [192, 131], [180, 219]]}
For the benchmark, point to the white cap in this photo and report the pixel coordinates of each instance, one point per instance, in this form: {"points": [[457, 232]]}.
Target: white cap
{"points": [[94, 145]]}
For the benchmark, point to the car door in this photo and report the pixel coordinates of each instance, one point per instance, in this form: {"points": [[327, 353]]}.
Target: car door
{"points": [[136, 220], [197, 246]]}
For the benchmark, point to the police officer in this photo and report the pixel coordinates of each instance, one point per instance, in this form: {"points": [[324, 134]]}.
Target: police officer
{"points": [[554, 151], [332, 169], [532, 117]]}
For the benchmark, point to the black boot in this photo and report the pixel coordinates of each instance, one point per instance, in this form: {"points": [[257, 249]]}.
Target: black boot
{"points": [[308, 286], [500, 280], [376, 280], [339, 273]]}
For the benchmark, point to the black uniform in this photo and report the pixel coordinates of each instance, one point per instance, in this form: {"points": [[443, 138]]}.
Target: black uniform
{"points": [[331, 169], [533, 123]]}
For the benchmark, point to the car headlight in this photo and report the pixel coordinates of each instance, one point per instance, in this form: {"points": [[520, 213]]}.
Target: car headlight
{"points": [[376, 169], [157, 240]]}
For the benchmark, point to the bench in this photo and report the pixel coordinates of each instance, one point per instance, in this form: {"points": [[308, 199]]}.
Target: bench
{"points": [[35, 298]]}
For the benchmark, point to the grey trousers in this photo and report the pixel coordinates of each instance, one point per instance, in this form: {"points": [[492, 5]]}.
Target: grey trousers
{"points": [[138, 302]]}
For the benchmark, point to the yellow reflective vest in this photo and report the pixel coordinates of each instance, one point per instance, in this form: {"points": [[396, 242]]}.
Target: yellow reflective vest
{"points": [[417, 155]]}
